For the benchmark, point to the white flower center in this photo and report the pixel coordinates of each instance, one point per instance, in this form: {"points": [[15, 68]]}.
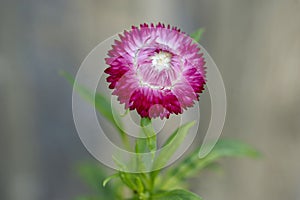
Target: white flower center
{"points": [[161, 60]]}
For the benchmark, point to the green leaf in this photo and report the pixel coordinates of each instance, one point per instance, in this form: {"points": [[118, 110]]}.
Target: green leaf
{"points": [[139, 184], [178, 194], [122, 166], [226, 147], [102, 105], [192, 164], [135, 181], [197, 35], [131, 180], [109, 179], [172, 144]]}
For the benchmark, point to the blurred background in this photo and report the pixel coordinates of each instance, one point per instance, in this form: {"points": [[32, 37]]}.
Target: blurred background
{"points": [[256, 45]]}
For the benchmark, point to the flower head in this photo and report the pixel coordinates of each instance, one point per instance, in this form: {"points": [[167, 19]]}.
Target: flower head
{"points": [[156, 70]]}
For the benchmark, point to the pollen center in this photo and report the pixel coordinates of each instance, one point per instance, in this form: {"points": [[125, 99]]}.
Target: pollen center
{"points": [[161, 60]]}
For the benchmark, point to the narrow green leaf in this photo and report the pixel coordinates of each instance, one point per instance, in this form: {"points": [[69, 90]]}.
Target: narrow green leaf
{"points": [[109, 179], [172, 144], [102, 105], [130, 180], [134, 181], [139, 184], [122, 166], [197, 35], [226, 147], [178, 194], [192, 164]]}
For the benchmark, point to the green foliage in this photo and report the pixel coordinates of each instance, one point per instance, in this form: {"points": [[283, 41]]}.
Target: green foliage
{"points": [[102, 105], [229, 147], [143, 185], [155, 185], [130, 180], [197, 35], [109, 179], [176, 195], [172, 144], [192, 164]]}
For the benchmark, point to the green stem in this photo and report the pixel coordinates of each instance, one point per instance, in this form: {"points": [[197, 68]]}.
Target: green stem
{"points": [[152, 181], [149, 132]]}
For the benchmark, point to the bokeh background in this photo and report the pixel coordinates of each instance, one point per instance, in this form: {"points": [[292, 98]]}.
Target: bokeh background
{"points": [[256, 45]]}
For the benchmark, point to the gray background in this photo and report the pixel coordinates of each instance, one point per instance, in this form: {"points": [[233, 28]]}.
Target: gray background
{"points": [[256, 45]]}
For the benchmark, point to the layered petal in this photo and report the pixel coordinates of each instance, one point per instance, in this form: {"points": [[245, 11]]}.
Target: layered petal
{"points": [[156, 70]]}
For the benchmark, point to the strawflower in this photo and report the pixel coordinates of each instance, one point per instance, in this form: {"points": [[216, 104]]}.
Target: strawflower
{"points": [[156, 70]]}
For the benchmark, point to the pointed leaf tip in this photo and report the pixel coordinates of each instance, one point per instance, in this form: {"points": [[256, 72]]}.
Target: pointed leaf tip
{"points": [[197, 35]]}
